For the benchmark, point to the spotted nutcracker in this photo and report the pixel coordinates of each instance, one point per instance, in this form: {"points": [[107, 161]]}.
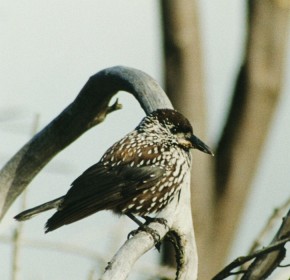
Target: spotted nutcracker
{"points": [[138, 175]]}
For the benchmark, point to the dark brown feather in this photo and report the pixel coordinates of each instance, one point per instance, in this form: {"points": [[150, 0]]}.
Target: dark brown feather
{"points": [[102, 188]]}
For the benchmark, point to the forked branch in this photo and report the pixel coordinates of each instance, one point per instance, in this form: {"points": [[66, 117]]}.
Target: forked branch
{"points": [[266, 260]]}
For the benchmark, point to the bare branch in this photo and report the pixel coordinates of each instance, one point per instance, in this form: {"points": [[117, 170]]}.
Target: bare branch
{"points": [[90, 105], [121, 264], [277, 215], [265, 264], [17, 235], [89, 108], [227, 271], [266, 259]]}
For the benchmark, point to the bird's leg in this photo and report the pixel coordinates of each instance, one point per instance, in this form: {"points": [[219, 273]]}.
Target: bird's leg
{"points": [[134, 219], [144, 227], [161, 221]]}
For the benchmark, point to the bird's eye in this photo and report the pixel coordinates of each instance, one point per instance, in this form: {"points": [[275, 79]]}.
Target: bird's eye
{"points": [[174, 129]]}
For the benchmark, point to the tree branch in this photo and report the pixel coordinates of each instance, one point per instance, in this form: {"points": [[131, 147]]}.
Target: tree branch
{"points": [[89, 108], [266, 259], [278, 213], [227, 271], [265, 264]]}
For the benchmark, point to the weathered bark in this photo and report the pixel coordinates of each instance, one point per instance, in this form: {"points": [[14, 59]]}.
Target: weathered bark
{"points": [[185, 88]]}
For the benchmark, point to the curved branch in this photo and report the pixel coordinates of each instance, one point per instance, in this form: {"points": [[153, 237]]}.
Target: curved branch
{"points": [[89, 108], [121, 264]]}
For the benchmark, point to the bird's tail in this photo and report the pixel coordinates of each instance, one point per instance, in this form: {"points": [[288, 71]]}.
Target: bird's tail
{"points": [[27, 214]]}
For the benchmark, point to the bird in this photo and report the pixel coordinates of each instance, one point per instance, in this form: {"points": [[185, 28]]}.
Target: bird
{"points": [[137, 176]]}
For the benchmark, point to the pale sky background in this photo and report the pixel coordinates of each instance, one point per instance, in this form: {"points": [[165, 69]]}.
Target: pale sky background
{"points": [[49, 49]]}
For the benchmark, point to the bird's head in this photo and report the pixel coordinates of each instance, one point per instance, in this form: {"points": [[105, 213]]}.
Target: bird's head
{"points": [[177, 127]]}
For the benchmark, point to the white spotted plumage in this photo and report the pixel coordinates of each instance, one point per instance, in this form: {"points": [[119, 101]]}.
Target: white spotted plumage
{"points": [[140, 174], [155, 146]]}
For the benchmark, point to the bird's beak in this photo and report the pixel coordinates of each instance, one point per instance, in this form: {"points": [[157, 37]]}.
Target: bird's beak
{"points": [[198, 144]]}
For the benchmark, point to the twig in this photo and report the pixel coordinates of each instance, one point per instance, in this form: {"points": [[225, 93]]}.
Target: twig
{"points": [[264, 265], [227, 271], [59, 246], [109, 109], [266, 259], [277, 214], [17, 234]]}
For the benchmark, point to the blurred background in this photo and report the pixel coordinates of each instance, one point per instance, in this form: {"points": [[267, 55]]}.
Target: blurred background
{"points": [[202, 53]]}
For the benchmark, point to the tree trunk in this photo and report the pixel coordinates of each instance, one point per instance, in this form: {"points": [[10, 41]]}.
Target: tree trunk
{"points": [[219, 195], [185, 88], [256, 95]]}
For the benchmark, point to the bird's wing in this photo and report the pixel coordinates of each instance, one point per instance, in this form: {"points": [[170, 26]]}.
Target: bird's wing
{"points": [[100, 188], [107, 184]]}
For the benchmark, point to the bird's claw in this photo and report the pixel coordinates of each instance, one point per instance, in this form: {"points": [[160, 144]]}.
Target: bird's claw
{"points": [[161, 221], [132, 233], [155, 235]]}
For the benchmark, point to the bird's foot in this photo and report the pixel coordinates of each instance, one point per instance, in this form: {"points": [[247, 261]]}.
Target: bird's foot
{"points": [[155, 235], [161, 221]]}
